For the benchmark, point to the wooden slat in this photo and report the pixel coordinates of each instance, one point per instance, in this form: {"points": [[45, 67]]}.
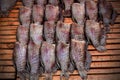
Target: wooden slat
{"points": [[7, 76], [91, 72], [93, 65], [9, 23]]}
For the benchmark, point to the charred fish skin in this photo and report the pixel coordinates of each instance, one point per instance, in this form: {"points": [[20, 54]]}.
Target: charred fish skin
{"points": [[25, 14], [38, 14], [78, 13], [33, 58], [49, 31], [63, 32], [77, 31], [91, 9], [78, 54], [51, 13], [93, 32], [36, 33], [67, 9], [22, 34], [53, 2], [19, 56], [28, 3], [48, 58], [106, 13], [63, 58], [6, 6]]}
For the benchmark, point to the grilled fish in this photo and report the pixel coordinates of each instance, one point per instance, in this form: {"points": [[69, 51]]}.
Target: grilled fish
{"points": [[28, 3]]}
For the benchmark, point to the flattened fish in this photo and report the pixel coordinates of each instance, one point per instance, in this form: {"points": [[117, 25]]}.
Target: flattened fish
{"points": [[63, 58], [49, 31]]}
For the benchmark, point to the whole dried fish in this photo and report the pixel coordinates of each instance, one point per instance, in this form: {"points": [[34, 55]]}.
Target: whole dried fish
{"points": [[48, 59], [20, 59], [63, 58], [36, 33], [49, 31], [28, 3], [78, 13], [24, 16], [93, 33], [38, 14], [78, 56], [33, 59], [63, 32], [22, 34]]}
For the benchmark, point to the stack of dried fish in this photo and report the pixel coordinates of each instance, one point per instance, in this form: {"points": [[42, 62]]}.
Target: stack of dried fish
{"points": [[45, 43]]}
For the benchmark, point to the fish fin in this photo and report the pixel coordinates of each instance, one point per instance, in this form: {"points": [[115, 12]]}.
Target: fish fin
{"points": [[48, 76], [71, 67], [64, 76], [101, 48]]}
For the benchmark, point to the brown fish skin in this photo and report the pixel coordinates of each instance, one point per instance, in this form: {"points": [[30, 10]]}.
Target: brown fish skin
{"points": [[38, 13], [107, 14], [78, 56], [49, 31], [41, 2], [68, 4], [24, 16], [63, 32], [63, 58], [36, 32], [51, 13], [28, 3], [19, 56], [22, 34], [93, 33], [33, 59], [78, 13], [6, 6], [48, 58], [91, 9], [53, 2], [77, 31]]}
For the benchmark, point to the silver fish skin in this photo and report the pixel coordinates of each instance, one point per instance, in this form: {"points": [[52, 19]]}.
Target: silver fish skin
{"points": [[28, 3], [78, 56], [38, 14], [63, 58], [6, 6], [77, 31], [33, 59], [51, 13], [91, 9], [63, 31], [93, 33], [24, 16], [36, 33], [49, 31], [48, 58], [19, 56], [22, 34], [78, 13]]}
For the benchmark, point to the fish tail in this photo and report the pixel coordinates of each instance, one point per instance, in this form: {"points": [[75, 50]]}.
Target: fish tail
{"points": [[101, 48], [48, 76], [83, 74], [22, 76], [64, 76], [34, 77]]}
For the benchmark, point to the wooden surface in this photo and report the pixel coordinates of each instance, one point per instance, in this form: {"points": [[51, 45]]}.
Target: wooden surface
{"points": [[105, 66]]}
